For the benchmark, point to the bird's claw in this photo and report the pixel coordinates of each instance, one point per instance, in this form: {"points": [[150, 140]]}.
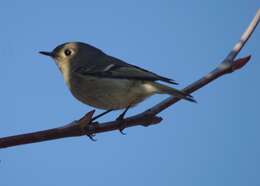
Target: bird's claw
{"points": [[121, 131], [91, 137], [121, 124]]}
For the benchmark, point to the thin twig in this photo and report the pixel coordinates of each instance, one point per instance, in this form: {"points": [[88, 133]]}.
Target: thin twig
{"points": [[146, 118]]}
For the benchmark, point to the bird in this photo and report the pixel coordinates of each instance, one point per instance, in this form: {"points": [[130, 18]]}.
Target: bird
{"points": [[106, 82]]}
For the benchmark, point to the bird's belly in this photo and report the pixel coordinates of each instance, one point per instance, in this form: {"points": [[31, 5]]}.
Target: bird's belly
{"points": [[108, 93]]}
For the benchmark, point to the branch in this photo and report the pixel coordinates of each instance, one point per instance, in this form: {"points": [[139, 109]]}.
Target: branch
{"points": [[146, 118]]}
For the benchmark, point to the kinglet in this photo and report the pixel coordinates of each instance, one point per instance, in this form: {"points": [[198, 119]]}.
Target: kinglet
{"points": [[105, 82]]}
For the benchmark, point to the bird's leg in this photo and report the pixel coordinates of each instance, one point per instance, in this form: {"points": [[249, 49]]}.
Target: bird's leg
{"points": [[100, 115], [120, 118]]}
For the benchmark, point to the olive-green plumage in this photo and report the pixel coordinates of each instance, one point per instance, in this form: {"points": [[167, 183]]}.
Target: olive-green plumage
{"points": [[105, 82]]}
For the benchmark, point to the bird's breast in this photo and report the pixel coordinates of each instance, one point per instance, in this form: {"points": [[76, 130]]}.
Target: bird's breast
{"points": [[107, 93]]}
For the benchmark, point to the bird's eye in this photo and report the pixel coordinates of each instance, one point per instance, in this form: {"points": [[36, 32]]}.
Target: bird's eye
{"points": [[67, 52]]}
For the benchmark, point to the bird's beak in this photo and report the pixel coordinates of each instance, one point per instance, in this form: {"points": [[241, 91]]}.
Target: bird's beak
{"points": [[47, 53]]}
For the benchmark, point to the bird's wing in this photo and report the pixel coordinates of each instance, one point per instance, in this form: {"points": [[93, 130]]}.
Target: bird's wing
{"points": [[110, 67]]}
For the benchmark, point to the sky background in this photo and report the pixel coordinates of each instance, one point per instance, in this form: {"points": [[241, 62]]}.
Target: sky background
{"points": [[214, 142]]}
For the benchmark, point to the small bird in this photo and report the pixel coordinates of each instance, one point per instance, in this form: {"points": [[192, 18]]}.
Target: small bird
{"points": [[105, 82]]}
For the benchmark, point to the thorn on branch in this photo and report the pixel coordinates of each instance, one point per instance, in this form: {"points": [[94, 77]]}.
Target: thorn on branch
{"points": [[239, 63], [152, 119], [85, 121], [86, 118]]}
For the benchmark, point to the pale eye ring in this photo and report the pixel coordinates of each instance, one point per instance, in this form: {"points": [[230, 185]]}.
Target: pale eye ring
{"points": [[67, 52]]}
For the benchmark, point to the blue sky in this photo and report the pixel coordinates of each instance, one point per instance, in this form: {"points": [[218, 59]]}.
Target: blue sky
{"points": [[214, 142]]}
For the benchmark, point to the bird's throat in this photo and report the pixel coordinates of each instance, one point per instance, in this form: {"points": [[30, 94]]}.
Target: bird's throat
{"points": [[66, 72]]}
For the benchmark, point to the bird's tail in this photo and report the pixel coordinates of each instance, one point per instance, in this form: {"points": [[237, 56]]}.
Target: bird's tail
{"points": [[163, 89]]}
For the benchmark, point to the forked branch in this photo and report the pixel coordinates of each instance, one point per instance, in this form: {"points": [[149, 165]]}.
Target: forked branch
{"points": [[146, 118]]}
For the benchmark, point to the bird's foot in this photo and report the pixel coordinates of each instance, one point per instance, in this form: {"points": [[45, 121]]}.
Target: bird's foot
{"points": [[90, 129], [121, 123]]}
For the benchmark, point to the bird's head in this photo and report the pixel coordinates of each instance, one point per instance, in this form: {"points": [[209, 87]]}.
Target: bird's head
{"points": [[71, 53]]}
